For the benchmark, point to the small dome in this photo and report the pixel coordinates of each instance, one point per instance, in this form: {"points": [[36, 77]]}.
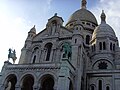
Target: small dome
{"points": [[83, 15], [103, 29]]}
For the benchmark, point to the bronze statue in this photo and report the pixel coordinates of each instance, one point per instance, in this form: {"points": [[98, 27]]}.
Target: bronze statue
{"points": [[12, 54], [67, 50]]}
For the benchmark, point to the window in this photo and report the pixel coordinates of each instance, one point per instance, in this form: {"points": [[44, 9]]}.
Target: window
{"points": [[104, 46], [87, 39], [100, 85], [48, 48], [75, 40], [54, 22], [100, 45], [88, 24], [102, 65], [83, 22], [92, 88], [76, 28], [34, 59], [107, 88], [113, 47], [71, 24], [93, 26], [35, 54], [110, 46]]}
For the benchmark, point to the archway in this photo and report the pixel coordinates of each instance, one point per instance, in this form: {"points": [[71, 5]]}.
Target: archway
{"points": [[11, 82], [47, 83], [27, 83]]}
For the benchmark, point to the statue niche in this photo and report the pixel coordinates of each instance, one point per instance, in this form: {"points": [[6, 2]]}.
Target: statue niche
{"points": [[54, 27]]}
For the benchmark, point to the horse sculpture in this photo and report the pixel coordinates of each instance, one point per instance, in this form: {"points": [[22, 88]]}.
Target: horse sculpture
{"points": [[12, 54], [67, 50]]}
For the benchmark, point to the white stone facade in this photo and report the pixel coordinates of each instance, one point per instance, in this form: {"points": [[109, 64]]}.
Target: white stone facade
{"points": [[81, 55]]}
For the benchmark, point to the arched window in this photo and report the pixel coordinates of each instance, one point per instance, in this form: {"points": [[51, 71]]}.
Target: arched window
{"points": [[100, 45], [76, 28], [110, 46], [107, 88], [92, 88], [104, 46], [113, 47], [35, 54], [87, 39], [75, 40], [54, 22], [34, 59], [100, 85], [48, 48]]}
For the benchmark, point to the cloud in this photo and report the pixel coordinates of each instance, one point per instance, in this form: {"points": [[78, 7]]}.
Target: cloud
{"points": [[49, 3], [112, 12]]}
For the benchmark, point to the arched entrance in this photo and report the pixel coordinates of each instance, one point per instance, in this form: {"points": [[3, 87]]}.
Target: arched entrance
{"points": [[47, 83], [11, 82], [27, 83]]}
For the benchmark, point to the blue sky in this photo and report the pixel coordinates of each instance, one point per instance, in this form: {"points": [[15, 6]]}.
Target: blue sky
{"points": [[17, 17]]}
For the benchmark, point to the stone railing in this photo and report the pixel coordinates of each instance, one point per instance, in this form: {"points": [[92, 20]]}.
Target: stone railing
{"points": [[41, 66]]}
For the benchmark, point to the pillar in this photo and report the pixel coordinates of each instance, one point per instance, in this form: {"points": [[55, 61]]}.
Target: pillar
{"points": [[64, 76]]}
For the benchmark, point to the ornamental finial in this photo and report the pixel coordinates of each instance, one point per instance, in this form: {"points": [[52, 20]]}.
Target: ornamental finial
{"points": [[83, 4], [103, 17]]}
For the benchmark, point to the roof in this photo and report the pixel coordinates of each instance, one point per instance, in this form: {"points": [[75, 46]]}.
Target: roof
{"points": [[83, 15]]}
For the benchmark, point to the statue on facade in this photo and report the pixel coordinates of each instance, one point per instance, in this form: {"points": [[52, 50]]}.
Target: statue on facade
{"points": [[67, 50], [12, 54]]}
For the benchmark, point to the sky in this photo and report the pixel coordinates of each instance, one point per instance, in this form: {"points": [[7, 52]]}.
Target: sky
{"points": [[17, 17]]}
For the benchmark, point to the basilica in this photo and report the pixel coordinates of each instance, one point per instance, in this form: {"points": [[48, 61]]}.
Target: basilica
{"points": [[81, 55]]}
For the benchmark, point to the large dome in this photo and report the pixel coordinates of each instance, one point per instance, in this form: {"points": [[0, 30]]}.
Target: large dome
{"points": [[83, 15]]}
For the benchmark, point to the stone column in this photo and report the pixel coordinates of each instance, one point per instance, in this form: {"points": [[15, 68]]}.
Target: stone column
{"points": [[51, 55], [35, 87]]}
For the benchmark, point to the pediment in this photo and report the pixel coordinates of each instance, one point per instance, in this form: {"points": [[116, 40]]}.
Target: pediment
{"points": [[48, 33]]}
